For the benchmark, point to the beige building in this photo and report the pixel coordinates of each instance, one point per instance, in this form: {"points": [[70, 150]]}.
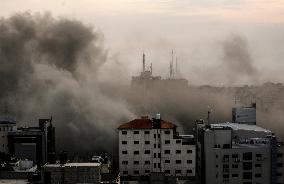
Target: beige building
{"points": [[154, 146]]}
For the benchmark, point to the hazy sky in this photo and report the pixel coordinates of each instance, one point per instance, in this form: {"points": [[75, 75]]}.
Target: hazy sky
{"points": [[195, 29]]}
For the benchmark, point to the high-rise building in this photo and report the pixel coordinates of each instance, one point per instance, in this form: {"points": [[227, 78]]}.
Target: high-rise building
{"points": [[154, 146], [238, 153]]}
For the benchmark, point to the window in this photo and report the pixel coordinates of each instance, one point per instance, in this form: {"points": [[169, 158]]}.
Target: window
{"points": [[136, 162], [154, 145], [247, 156], [155, 155], [257, 175], [124, 162], [235, 156], [159, 165], [247, 166], [146, 132], [226, 176], [159, 155], [258, 155], [235, 166], [167, 132], [159, 145], [136, 132], [147, 142], [167, 141], [189, 151], [136, 152], [124, 152], [155, 136], [177, 171], [124, 142], [226, 146], [147, 171], [136, 142], [178, 141], [189, 171], [257, 165], [178, 151], [147, 162], [155, 165], [178, 161], [167, 161], [159, 136], [189, 161], [279, 155], [167, 151], [147, 152], [235, 175], [247, 175], [279, 164], [136, 172], [124, 132], [125, 172], [167, 171], [279, 174]]}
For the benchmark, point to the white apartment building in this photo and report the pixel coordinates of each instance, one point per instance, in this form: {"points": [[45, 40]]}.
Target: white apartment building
{"points": [[6, 125], [154, 146]]}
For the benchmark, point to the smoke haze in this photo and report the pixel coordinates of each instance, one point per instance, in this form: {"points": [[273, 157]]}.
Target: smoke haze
{"points": [[61, 67]]}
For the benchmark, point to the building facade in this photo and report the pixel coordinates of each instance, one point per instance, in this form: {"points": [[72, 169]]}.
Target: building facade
{"points": [[154, 146], [6, 125], [238, 154], [71, 173]]}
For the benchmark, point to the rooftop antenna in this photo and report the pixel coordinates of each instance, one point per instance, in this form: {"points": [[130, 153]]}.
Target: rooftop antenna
{"points": [[171, 65], [208, 114], [176, 66], [143, 62]]}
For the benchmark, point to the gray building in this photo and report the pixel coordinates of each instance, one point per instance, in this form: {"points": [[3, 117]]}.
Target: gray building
{"points": [[238, 153], [71, 173]]}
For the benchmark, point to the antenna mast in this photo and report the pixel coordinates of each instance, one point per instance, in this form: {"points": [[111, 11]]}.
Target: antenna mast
{"points": [[171, 65], [176, 66], [143, 62]]}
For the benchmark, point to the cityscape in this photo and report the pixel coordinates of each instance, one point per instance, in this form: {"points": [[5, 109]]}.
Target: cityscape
{"points": [[141, 92]]}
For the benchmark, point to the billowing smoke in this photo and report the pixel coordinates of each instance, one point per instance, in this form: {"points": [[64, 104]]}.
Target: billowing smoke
{"points": [[53, 66], [237, 60], [49, 67]]}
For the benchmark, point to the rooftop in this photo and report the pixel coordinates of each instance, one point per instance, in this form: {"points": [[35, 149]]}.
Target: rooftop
{"points": [[145, 123], [7, 120], [86, 164], [236, 126]]}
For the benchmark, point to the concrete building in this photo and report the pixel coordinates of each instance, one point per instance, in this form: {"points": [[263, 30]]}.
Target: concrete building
{"points": [[71, 173], [238, 154], [154, 146], [244, 115], [7, 124], [34, 143]]}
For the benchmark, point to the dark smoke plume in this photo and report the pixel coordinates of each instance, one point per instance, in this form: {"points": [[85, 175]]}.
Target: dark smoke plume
{"points": [[49, 67]]}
